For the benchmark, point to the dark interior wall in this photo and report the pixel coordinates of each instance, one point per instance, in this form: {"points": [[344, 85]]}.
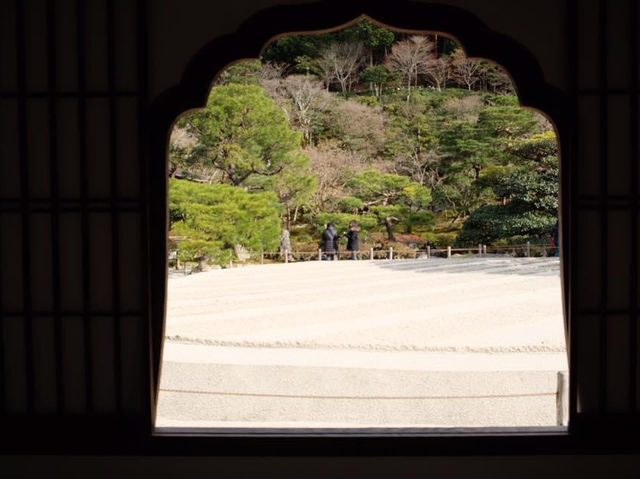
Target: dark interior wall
{"points": [[76, 84], [541, 30]]}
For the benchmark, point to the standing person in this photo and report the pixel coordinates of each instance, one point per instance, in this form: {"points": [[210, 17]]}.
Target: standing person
{"points": [[285, 245], [329, 241], [336, 241], [353, 239]]}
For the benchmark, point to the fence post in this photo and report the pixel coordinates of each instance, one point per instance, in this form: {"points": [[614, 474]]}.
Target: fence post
{"points": [[390, 252], [562, 400], [448, 252], [428, 252], [528, 249], [484, 250], [371, 254], [480, 249], [286, 256], [261, 257], [319, 254]]}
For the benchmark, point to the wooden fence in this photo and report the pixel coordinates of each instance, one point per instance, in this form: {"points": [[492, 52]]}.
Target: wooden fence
{"points": [[521, 250]]}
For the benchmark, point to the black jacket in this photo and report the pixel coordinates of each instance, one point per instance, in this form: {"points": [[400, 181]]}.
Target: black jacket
{"points": [[329, 238], [353, 240]]}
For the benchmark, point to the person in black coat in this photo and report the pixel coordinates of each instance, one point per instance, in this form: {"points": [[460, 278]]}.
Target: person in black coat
{"points": [[330, 240], [353, 239], [336, 241]]}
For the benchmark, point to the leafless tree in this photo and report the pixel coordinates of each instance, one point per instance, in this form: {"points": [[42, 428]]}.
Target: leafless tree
{"points": [[360, 127], [333, 167], [341, 62], [324, 69], [465, 70], [307, 98], [420, 166], [272, 81], [273, 70], [409, 57], [438, 71]]}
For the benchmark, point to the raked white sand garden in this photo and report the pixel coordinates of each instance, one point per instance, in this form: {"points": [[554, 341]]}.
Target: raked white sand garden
{"points": [[462, 342]]}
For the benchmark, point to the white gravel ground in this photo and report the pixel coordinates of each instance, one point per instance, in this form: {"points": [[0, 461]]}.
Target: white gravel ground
{"points": [[472, 328]]}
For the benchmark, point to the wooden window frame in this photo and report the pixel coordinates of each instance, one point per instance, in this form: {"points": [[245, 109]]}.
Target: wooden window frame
{"points": [[582, 435]]}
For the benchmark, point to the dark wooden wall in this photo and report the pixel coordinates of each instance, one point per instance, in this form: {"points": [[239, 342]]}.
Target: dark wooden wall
{"points": [[72, 207], [78, 79]]}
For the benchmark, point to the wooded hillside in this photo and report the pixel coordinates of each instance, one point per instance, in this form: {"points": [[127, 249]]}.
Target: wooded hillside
{"points": [[401, 132]]}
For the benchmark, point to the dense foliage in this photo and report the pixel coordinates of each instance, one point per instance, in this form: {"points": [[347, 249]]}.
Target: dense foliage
{"points": [[400, 132], [209, 221]]}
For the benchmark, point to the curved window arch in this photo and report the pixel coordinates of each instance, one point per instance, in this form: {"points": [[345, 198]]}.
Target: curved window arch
{"points": [[215, 57]]}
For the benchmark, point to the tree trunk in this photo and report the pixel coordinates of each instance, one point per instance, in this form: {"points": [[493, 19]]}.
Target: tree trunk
{"points": [[288, 217], [389, 226]]}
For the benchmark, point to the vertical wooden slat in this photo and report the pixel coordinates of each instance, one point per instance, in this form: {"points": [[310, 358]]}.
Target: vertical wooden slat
{"points": [[115, 240], [568, 168], [82, 137], [633, 180], [24, 189], [2, 339], [55, 230], [604, 182], [151, 367]]}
